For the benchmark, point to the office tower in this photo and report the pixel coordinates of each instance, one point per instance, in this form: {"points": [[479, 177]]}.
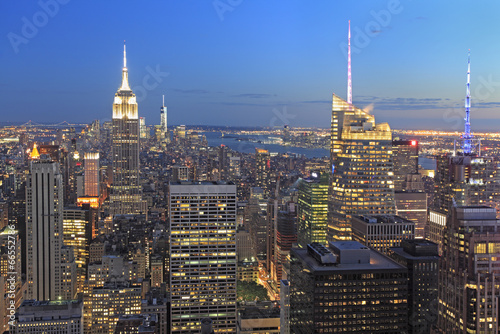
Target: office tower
{"points": [[285, 306], [411, 203], [346, 288], [44, 231], [203, 256], [110, 301], [50, 317], [285, 237], [421, 259], [469, 272], [262, 169], [312, 218], [77, 233], [91, 161], [405, 161], [163, 120], [143, 128], [223, 163], [361, 179], [381, 232], [126, 191]]}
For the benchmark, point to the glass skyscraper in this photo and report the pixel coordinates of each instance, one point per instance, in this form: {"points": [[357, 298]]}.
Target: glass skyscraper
{"points": [[361, 169]]}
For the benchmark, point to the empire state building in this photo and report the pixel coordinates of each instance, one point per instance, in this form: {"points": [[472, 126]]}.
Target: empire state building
{"points": [[126, 194]]}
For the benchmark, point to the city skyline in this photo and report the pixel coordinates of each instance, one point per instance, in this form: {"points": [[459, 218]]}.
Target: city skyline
{"points": [[220, 62]]}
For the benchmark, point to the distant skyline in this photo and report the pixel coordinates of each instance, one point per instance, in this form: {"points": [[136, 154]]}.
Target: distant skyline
{"points": [[251, 63]]}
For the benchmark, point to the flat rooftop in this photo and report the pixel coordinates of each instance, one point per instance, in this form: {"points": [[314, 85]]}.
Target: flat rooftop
{"points": [[378, 261]]}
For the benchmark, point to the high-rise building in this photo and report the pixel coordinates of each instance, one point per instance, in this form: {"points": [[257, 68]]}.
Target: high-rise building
{"points": [[125, 197], [262, 169], [285, 237], [361, 179], [77, 233], [203, 255], [44, 231], [411, 203], [163, 120], [421, 259], [285, 306], [361, 168], [405, 161], [143, 129], [50, 317], [91, 172], [469, 272], [312, 218], [346, 288]]}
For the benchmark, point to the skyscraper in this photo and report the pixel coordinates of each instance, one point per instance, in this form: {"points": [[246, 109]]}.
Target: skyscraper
{"points": [[91, 161], [44, 231], [203, 255], [346, 288], [405, 161], [163, 119], [361, 179], [312, 217], [469, 272], [262, 169], [126, 191]]}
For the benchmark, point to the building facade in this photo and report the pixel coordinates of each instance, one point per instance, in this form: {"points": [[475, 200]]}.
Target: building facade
{"points": [[312, 218], [361, 168], [203, 255], [347, 288], [125, 197]]}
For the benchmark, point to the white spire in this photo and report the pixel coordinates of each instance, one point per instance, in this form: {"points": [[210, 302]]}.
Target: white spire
{"points": [[125, 85], [349, 81], [124, 55]]}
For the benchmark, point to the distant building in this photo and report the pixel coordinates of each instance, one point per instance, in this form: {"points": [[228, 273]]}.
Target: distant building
{"points": [[405, 161], [285, 307], [91, 173], [381, 232], [346, 288], [262, 169], [50, 317], [422, 260]]}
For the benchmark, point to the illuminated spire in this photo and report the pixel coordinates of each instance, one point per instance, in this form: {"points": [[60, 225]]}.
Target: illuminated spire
{"points": [[467, 136], [125, 85], [34, 153], [349, 81], [163, 103]]}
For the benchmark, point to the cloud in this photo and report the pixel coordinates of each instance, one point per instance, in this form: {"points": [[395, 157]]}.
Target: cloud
{"points": [[190, 91], [255, 96], [402, 103]]}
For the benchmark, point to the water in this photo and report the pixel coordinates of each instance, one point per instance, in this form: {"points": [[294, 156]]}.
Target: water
{"points": [[214, 139], [230, 140]]}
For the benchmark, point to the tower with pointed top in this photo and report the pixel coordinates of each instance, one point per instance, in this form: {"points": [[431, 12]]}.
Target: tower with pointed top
{"points": [[467, 136], [126, 194], [163, 120], [361, 167], [349, 80]]}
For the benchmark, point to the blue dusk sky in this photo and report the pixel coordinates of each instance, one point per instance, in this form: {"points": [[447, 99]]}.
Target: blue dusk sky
{"points": [[251, 62]]}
